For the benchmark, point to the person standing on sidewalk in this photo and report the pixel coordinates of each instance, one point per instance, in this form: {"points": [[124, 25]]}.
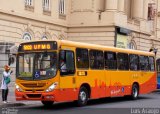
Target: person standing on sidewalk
{"points": [[4, 85]]}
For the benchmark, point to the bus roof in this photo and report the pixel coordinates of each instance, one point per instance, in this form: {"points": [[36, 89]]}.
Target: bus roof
{"points": [[107, 48], [95, 46]]}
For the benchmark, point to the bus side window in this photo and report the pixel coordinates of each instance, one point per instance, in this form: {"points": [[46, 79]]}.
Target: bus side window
{"points": [[151, 64], [144, 63], [82, 58], [96, 59], [66, 64], [134, 62], [122, 59], [158, 67], [110, 60]]}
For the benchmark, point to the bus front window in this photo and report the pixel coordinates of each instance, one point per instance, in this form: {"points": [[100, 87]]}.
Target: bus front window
{"points": [[45, 65], [37, 66], [26, 63]]}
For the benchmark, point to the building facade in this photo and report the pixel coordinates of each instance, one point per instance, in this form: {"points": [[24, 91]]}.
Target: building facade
{"points": [[131, 24]]}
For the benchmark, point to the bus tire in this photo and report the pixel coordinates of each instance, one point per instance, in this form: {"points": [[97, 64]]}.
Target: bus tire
{"points": [[47, 103], [82, 97], [134, 92]]}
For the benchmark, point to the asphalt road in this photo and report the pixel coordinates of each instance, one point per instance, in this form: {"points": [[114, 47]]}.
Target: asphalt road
{"points": [[146, 104]]}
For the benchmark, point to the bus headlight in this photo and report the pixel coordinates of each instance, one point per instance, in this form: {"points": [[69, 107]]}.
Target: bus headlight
{"points": [[18, 88], [52, 87]]}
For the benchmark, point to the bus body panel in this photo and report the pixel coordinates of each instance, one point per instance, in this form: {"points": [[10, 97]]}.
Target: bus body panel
{"points": [[148, 82], [98, 89], [120, 80], [97, 78]]}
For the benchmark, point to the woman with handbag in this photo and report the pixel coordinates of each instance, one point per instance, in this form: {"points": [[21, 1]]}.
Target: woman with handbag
{"points": [[5, 81]]}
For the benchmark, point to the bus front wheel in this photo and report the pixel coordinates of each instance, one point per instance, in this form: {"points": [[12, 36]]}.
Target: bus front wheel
{"points": [[82, 97], [47, 103], [135, 91]]}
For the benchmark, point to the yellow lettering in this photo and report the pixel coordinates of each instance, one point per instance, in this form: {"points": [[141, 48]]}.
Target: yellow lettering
{"points": [[43, 46], [48, 46], [35, 47], [27, 47], [39, 46]]}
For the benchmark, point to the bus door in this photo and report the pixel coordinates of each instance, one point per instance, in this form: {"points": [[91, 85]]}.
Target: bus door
{"points": [[67, 74]]}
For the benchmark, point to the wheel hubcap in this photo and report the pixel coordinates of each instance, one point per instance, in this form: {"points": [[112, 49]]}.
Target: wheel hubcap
{"points": [[83, 96], [135, 92]]}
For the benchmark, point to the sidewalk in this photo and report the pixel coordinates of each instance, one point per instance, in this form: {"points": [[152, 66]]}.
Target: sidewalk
{"points": [[12, 101]]}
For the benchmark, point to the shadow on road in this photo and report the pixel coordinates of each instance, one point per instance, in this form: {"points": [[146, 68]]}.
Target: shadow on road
{"points": [[72, 105]]}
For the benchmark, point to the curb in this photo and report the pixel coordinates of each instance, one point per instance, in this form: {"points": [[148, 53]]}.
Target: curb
{"points": [[158, 90], [11, 105]]}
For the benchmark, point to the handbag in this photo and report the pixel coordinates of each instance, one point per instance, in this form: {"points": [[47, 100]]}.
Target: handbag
{"points": [[7, 80]]}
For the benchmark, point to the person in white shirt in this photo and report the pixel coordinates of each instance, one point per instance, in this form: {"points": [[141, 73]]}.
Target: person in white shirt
{"points": [[4, 86]]}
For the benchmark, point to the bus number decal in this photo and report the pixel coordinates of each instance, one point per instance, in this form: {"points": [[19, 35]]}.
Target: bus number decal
{"points": [[27, 47]]}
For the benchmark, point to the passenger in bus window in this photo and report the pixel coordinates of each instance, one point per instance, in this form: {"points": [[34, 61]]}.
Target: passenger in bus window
{"points": [[100, 61], [63, 66], [92, 61]]}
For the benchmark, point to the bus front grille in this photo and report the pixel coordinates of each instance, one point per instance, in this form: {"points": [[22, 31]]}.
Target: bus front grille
{"points": [[33, 85], [34, 90]]}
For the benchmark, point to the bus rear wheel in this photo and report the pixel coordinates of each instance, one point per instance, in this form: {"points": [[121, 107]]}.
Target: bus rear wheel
{"points": [[82, 97], [135, 92], [47, 103]]}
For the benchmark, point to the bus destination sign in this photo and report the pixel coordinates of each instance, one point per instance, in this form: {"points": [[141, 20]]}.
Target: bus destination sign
{"points": [[29, 47], [37, 46]]}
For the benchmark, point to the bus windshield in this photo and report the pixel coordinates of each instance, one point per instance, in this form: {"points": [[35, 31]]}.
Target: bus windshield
{"points": [[37, 66]]}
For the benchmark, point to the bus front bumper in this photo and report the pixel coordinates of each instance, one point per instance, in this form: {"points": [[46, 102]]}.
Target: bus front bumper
{"points": [[38, 96]]}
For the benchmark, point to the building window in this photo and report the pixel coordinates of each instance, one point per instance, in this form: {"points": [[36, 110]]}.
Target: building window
{"points": [[29, 2], [132, 45], [46, 5], [62, 7], [151, 11], [27, 36], [29, 5]]}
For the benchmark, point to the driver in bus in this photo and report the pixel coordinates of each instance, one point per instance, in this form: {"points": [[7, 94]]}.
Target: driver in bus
{"points": [[63, 66]]}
